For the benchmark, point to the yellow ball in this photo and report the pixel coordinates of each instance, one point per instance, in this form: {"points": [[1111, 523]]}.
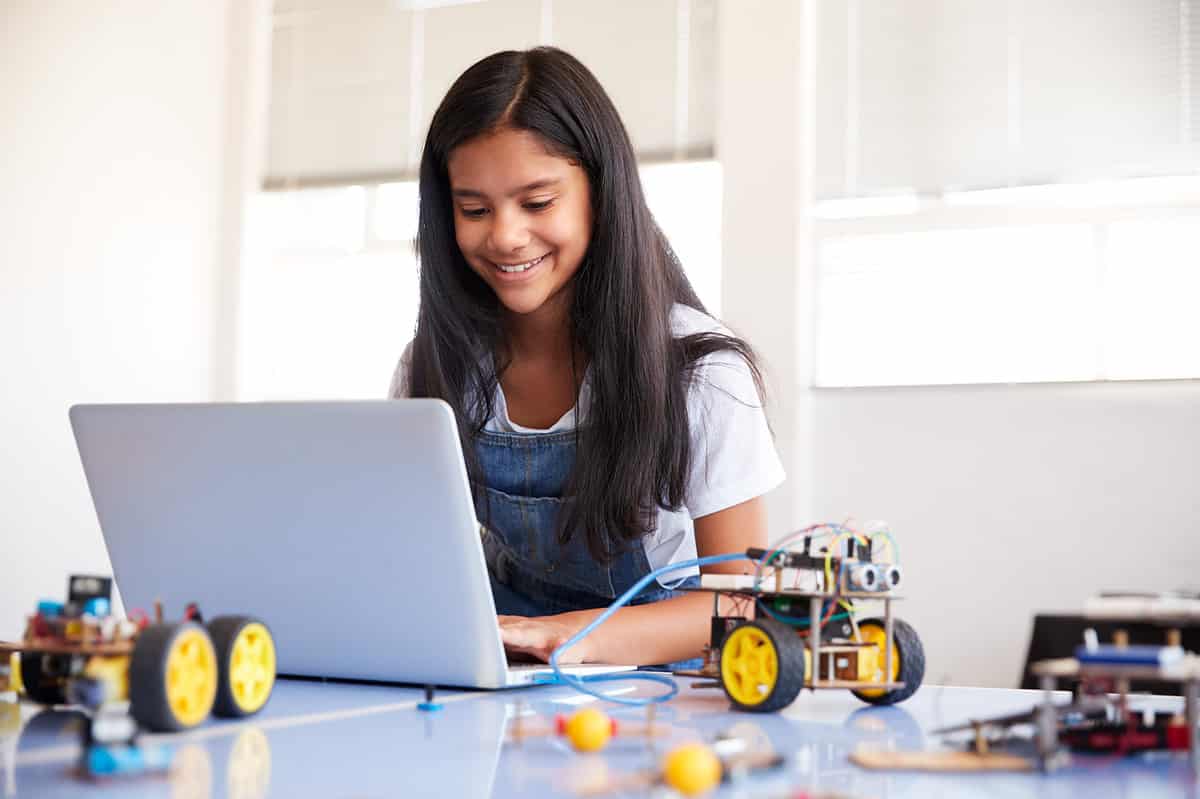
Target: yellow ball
{"points": [[589, 730], [692, 769]]}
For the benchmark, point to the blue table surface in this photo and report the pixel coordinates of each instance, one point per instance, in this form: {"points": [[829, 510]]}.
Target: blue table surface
{"points": [[352, 740]]}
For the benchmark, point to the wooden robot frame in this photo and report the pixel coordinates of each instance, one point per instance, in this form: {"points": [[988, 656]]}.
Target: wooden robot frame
{"points": [[173, 675], [763, 663]]}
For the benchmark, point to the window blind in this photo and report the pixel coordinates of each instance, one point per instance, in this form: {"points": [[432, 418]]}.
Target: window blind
{"points": [[937, 95], [354, 84]]}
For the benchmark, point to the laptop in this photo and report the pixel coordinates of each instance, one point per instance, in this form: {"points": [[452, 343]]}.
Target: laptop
{"points": [[348, 527]]}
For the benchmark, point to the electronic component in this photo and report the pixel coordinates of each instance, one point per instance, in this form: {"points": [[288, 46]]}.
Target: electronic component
{"points": [[729, 582], [81, 588], [721, 625], [863, 577], [793, 579], [788, 560]]}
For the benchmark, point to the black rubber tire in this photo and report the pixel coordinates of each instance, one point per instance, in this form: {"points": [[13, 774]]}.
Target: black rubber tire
{"points": [[789, 652], [53, 692], [224, 630], [912, 662], [147, 677]]}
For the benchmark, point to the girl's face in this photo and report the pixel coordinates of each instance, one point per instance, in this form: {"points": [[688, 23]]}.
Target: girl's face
{"points": [[522, 217]]}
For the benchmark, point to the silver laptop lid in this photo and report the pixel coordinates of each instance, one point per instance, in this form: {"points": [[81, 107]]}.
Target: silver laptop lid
{"points": [[347, 526]]}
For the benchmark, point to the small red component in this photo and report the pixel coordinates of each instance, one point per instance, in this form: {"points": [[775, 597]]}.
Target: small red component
{"points": [[560, 725], [1177, 737], [613, 722]]}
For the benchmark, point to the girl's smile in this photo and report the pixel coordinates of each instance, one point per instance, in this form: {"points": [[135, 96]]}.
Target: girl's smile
{"points": [[522, 216], [512, 271]]}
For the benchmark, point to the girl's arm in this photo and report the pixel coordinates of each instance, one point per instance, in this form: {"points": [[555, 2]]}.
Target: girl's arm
{"points": [[658, 632]]}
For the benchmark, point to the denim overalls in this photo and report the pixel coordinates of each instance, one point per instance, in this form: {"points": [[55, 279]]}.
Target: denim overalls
{"points": [[532, 574]]}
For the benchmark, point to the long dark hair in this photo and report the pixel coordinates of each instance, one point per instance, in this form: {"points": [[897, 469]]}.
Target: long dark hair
{"points": [[633, 450]]}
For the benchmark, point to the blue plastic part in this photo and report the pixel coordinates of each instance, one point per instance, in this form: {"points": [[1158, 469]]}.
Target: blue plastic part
{"points": [[125, 759], [97, 606], [1134, 655], [48, 607]]}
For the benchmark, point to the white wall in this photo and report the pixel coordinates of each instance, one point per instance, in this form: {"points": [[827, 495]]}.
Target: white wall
{"points": [[766, 259], [113, 168], [1006, 500]]}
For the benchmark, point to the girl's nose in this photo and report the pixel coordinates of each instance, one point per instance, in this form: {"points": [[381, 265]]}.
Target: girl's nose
{"points": [[508, 232]]}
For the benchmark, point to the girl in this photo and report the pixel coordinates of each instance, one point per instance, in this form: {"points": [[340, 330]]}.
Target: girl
{"points": [[610, 426]]}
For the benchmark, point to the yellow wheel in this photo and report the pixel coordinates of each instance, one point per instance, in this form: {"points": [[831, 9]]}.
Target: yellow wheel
{"points": [[871, 661], [246, 654], [172, 677], [908, 661], [762, 666], [14, 673]]}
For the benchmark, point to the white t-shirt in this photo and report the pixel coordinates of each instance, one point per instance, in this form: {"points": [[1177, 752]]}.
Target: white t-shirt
{"points": [[733, 455]]}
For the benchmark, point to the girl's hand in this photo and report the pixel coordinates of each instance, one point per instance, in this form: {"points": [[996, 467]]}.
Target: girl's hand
{"points": [[541, 635]]}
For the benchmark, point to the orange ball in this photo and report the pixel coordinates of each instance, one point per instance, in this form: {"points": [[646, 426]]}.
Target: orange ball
{"points": [[692, 769], [588, 730]]}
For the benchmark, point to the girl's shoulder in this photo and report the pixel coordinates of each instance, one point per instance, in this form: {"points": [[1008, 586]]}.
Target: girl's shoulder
{"points": [[687, 321], [734, 457], [725, 372]]}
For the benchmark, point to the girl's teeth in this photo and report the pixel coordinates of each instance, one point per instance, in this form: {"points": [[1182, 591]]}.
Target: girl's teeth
{"points": [[519, 267]]}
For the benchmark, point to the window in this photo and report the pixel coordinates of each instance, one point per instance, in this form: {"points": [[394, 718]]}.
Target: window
{"points": [[326, 303], [329, 285], [685, 198], [1006, 191], [1010, 295], [1151, 299]]}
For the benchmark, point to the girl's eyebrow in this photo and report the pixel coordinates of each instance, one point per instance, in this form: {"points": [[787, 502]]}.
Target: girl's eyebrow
{"points": [[544, 183]]}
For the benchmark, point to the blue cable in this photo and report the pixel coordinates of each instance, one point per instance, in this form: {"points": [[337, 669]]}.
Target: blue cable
{"points": [[580, 683]]}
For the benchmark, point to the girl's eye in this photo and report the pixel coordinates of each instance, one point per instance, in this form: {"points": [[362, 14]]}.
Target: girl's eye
{"points": [[473, 213], [538, 205]]}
